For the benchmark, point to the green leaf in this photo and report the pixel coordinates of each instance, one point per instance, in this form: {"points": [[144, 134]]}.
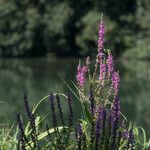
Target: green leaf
{"points": [[87, 111], [44, 134]]}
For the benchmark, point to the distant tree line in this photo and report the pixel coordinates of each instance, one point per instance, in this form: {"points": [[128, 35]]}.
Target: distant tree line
{"points": [[67, 27]]}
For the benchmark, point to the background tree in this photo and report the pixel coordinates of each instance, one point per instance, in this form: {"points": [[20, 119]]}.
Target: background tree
{"points": [[66, 27]]}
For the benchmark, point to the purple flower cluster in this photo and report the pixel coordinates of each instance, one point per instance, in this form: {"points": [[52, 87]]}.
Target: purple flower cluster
{"points": [[81, 75], [22, 134], [110, 65], [52, 107], [115, 82], [91, 99], [102, 72], [32, 122], [60, 109], [116, 108], [131, 140], [101, 34], [98, 126], [70, 121], [79, 136], [125, 134], [100, 56], [115, 121]]}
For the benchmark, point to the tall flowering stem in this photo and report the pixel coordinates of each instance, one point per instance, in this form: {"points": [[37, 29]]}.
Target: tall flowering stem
{"points": [[115, 121], [98, 127], [100, 54], [52, 107], [81, 75], [92, 102], [110, 65], [70, 110], [104, 117], [102, 73], [115, 83], [79, 135], [60, 109], [32, 122], [131, 140], [101, 34], [92, 108], [21, 134]]}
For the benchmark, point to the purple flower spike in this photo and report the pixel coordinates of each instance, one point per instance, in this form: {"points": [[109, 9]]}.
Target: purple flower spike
{"points": [[115, 83], [115, 121], [91, 98], [60, 109], [131, 140], [81, 79], [98, 126], [110, 65], [102, 72], [21, 130], [125, 134], [116, 108], [52, 107], [98, 130], [101, 34], [70, 121], [79, 136]]}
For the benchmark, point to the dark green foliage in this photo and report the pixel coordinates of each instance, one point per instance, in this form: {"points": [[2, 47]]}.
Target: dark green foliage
{"points": [[141, 47], [66, 28]]}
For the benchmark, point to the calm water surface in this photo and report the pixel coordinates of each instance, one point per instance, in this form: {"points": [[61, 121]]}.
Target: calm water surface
{"points": [[40, 76]]}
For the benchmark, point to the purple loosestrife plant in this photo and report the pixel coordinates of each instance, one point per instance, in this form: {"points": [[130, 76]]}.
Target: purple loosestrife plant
{"points": [[32, 122], [70, 121], [104, 105], [21, 137], [91, 99], [102, 73], [79, 136], [131, 140], [98, 128], [60, 109], [115, 121], [100, 54], [104, 115], [110, 65], [92, 108], [101, 34], [115, 83], [101, 126], [52, 108], [81, 75]]}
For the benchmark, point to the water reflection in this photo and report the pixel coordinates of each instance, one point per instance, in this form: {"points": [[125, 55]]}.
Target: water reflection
{"points": [[40, 76], [135, 92]]}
